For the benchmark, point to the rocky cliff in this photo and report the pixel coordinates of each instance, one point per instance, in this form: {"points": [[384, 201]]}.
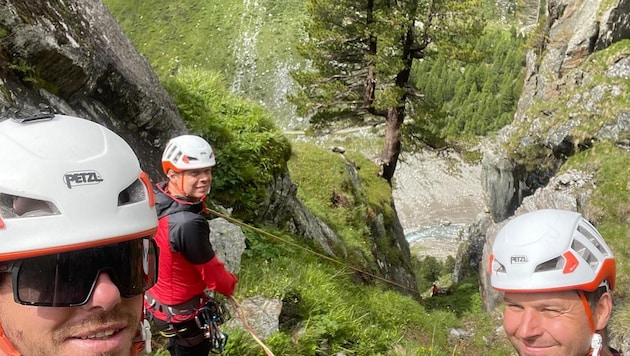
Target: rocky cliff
{"points": [[74, 58], [574, 100], [565, 106]]}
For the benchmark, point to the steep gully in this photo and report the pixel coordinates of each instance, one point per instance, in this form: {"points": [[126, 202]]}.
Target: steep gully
{"points": [[436, 194]]}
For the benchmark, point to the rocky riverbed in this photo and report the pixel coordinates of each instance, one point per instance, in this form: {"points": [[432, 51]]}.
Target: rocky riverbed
{"points": [[436, 195]]}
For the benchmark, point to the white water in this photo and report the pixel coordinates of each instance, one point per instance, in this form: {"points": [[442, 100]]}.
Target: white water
{"points": [[245, 47], [428, 234], [436, 241], [255, 78]]}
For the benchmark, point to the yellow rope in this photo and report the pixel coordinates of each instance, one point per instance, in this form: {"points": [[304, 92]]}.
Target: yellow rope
{"points": [[253, 228], [239, 312]]}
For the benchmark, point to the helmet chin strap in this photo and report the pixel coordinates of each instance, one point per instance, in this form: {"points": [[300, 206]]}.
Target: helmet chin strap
{"points": [[596, 340], [6, 346], [142, 342], [183, 176]]}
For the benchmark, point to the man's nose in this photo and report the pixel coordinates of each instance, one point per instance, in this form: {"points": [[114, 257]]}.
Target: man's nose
{"points": [[105, 294], [530, 324]]}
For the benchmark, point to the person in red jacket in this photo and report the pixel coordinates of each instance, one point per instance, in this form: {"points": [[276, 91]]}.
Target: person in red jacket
{"points": [[187, 264]]}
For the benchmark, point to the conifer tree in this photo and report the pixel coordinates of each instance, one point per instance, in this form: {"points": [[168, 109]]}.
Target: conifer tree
{"points": [[362, 52]]}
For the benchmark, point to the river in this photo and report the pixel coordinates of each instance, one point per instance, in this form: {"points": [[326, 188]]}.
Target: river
{"points": [[436, 196]]}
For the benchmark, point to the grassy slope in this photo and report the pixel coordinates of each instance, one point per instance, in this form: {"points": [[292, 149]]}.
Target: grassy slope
{"points": [[249, 41], [369, 320]]}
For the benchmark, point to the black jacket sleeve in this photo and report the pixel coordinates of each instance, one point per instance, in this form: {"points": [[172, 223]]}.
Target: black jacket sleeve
{"points": [[189, 235]]}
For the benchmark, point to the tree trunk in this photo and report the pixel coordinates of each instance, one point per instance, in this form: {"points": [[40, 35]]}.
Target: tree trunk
{"points": [[392, 145], [396, 115]]}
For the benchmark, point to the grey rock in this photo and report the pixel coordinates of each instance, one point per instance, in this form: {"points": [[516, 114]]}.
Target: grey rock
{"points": [[228, 242], [260, 313], [85, 66]]}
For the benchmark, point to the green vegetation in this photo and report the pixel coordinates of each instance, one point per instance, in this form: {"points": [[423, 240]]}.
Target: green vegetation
{"points": [[326, 309], [252, 43], [362, 54], [210, 36], [192, 45], [602, 94], [472, 99], [30, 75], [607, 161], [317, 191], [609, 208], [250, 150]]}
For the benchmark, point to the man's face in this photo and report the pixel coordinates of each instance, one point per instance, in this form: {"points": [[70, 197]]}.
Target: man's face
{"points": [[547, 324], [106, 325], [193, 184]]}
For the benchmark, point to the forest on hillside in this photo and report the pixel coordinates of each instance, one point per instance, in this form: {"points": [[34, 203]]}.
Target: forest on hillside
{"points": [[209, 35]]}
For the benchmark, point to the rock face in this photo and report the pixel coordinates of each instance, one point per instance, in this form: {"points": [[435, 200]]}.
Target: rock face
{"points": [[574, 30], [574, 95], [555, 75], [73, 57], [228, 241], [283, 208]]}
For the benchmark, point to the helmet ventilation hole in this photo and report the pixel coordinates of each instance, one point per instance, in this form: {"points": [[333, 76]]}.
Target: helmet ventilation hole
{"points": [[12, 206], [134, 193], [551, 265], [585, 231], [585, 253]]}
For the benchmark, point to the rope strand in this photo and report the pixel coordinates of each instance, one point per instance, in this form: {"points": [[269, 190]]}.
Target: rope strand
{"points": [[322, 256], [239, 312]]}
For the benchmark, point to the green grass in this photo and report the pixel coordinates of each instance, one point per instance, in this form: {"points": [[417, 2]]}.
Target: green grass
{"points": [[610, 211], [347, 217], [335, 314], [221, 36]]}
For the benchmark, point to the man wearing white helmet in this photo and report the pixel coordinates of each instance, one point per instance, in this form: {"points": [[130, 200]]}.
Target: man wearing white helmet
{"points": [[188, 264], [556, 273], [77, 217]]}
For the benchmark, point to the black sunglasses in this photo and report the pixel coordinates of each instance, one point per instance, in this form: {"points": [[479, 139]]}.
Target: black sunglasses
{"points": [[67, 279]]}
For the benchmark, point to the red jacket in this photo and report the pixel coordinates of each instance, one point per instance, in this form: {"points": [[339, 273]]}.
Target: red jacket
{"points": [[187, 263]]}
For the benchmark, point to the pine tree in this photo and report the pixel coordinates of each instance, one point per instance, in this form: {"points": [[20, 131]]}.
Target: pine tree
{"points": [[362, 52]]}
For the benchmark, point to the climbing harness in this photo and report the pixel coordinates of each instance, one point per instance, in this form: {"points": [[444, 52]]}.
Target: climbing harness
{"points": [[209, 318]]}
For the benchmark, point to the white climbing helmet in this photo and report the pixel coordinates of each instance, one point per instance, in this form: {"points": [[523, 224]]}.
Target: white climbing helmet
{"points": [[187, 152], [82, 182], [550, 250]]}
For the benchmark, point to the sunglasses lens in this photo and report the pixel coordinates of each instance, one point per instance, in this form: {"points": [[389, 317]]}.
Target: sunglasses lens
{"points": [[141, 274], [45, 280], [67, 279]]}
